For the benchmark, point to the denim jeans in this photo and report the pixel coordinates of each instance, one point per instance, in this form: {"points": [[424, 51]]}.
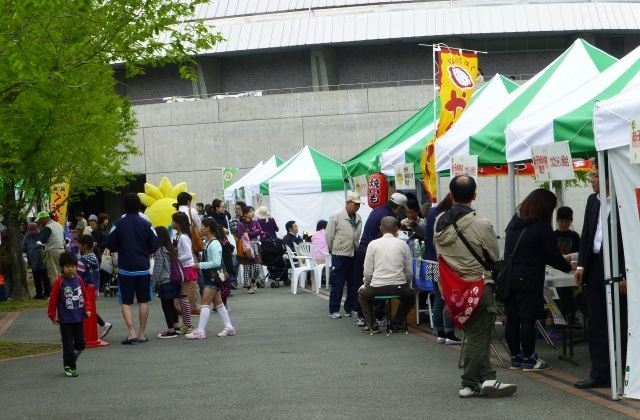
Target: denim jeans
{"points": [[341, 274], [441, 319]]}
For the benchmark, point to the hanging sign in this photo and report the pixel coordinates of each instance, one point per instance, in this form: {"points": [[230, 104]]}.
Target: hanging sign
{"points": [[634, 151], [552, 162], [464, 165], [359, 184], [404, 177]]}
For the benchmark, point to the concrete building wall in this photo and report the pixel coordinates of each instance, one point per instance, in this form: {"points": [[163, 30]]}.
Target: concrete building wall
{"points": [[192, 141]]}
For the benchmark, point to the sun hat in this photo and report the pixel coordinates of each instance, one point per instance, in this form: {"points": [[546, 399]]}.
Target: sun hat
{"points": [[354, 197], [42, 215], [399, 199], [262, 212]]}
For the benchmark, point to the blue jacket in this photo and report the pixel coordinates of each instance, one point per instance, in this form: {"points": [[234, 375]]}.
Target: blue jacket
{"points": [[134, 239], [371, 228]]}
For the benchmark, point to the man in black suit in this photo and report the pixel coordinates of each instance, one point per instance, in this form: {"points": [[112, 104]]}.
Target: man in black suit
{"points": [[590, 273]]}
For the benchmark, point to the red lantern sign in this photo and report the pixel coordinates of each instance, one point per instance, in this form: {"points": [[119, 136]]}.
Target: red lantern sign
{"points": [[377, 190]]}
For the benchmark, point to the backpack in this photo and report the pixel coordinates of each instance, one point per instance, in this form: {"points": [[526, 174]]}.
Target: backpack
{"points": [[176, 273]]}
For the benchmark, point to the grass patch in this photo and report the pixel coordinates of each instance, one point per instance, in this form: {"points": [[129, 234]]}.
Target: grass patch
{"points": [[22, 305], [12, 349]]}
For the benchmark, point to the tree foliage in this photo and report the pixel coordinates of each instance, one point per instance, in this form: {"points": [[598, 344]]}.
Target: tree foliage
{"points": [[59, 111]]}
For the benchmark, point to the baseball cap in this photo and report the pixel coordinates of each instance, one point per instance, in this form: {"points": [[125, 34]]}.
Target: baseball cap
{"points": [[42, 215], [93, 217], [353, 196], [399, 199]]}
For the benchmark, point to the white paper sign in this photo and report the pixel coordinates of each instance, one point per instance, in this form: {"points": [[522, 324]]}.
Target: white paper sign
{"points": [[404, 177], [552, 162], [635, 142], [359, 184], [464, 165]]}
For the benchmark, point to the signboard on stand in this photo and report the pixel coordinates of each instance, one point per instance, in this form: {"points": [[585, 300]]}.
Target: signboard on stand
{"points": [[552, 162], [464, 165], [404, 177], [634, 155]]}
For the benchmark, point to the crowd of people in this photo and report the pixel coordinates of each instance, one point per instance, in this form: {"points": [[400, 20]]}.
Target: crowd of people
{"points": [[367, 259]]}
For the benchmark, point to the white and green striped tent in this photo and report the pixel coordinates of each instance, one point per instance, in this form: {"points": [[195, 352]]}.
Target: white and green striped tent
{"points": [[306, 188], [484, 136], [571, 118], [406, 143]]}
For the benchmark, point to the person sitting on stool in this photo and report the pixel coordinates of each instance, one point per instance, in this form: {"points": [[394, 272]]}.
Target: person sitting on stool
{"points": [[387, 271]]}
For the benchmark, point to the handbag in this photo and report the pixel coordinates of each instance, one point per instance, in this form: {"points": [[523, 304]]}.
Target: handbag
{"points": [[246, 246], [239, 248], [501, 274], [106, 264], [461, 297], [196, 239]]}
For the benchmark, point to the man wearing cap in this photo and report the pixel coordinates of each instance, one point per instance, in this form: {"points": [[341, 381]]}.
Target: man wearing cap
{"points": [[343, 232], [394, 207], [52, 237]]}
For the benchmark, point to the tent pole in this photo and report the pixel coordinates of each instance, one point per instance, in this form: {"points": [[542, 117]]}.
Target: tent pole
{"points": [[512, 187], [499, 229], [616, 289], [614, 336]]}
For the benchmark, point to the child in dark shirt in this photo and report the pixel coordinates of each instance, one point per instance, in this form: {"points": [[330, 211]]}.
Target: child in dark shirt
{"points": [[68, 308], [569, 245]]}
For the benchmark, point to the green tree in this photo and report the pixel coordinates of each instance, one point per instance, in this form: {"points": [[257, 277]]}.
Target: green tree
{"points": [[59, 113]]}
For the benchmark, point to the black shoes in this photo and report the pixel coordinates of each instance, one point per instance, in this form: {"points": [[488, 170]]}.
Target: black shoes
{"points": [[371, 330], [397, 327], [591, 383]]}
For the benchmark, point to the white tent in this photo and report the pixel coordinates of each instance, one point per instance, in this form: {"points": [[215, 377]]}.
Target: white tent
{"points": [[242, 188], [306, 188], [613, 120]]}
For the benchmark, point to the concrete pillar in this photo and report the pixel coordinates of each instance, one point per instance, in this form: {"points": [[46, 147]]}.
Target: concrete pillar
{"points": [[324, 68], [209, 77]]}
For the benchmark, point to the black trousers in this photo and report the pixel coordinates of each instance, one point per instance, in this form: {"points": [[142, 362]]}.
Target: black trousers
{"points": [[41, 283], [72, 336], [597, 332]]}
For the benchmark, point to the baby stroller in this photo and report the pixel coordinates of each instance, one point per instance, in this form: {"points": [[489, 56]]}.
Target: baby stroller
{"points": [[272, 254], [111, 286]]}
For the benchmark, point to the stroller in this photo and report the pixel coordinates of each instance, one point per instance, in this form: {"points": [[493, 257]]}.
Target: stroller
{"points": [[272, 254]]}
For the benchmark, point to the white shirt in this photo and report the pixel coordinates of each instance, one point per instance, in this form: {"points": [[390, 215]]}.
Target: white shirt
{"points": [[597, 237], [387, 262], [194, 215]]}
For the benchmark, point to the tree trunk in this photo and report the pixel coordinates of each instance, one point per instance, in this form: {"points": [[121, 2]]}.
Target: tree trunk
{"points": [[19, 289]]}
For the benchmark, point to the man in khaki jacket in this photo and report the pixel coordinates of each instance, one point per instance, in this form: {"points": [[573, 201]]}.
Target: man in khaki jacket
{"points": [[343, 234], [479, 376]]}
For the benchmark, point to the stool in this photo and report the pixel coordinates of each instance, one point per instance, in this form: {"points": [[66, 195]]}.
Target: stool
{"points": [[387, 300]]}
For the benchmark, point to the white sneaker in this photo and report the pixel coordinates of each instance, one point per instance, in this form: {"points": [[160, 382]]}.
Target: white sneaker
{"points": [[196, 335], [227, 332], [251, 291], [468, 392], [335, 315], [104, 330], [494, 388], [360, 322]]}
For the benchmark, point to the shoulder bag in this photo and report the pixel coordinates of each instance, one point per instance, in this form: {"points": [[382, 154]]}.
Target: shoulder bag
{"points": [[196, 239]]}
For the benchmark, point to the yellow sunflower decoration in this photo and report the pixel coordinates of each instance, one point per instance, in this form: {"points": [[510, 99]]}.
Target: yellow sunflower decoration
{"points": [[159, 200]]}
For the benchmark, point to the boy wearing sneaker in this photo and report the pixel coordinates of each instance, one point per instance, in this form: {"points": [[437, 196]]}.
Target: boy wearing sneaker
{"points": [[68, 308]]}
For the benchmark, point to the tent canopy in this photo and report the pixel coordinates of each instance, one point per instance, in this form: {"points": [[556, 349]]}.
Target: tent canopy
{"points": [[571, 118], [308, 171], [485, 136], [612, 118], [229, 192]]}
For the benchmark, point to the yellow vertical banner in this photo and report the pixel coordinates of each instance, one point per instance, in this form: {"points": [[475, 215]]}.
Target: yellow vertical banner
{"points": [[457, 73], [59, 198]]}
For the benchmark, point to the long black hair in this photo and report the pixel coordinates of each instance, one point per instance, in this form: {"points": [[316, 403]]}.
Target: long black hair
{"points": [[214, 227], [183, 221], [165, 240]]}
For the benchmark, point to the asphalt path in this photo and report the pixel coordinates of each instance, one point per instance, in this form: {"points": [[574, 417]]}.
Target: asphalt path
{"points": [[288, 361]]}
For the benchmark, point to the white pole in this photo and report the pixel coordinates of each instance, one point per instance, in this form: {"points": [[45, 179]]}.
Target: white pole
{"points": [[512, 187], [436, 48], [499, 228], [607, 257]]}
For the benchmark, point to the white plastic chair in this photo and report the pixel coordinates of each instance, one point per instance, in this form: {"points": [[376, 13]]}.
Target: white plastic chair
{"points": [[306, 250], [298, 266]]}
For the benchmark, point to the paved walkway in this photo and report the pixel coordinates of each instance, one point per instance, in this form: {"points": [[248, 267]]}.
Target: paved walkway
{"points": [[288, 361]]}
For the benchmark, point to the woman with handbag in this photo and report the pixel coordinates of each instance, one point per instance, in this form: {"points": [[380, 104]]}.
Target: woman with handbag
{"points": [[250, 232], [182, 243], [532, 245], [211, 266]]}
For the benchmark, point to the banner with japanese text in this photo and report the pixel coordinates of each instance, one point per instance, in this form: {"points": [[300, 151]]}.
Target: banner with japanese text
{"points": [[457, 73], [552, 162], [59, 199]]}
